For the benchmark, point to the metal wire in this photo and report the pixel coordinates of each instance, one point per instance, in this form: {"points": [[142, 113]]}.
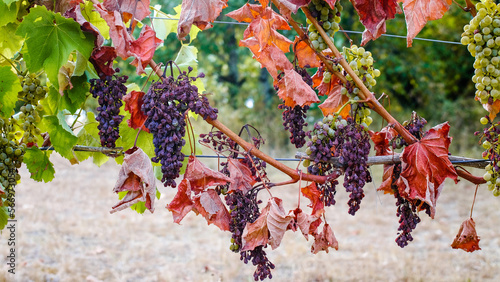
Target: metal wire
{"points": [[346, 31]]}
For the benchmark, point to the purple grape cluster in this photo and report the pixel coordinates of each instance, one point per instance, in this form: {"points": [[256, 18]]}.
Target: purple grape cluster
{"points": [[258, 257], [408, 220], [294, 122], [109, 93], [354, 143], [165, 104]]}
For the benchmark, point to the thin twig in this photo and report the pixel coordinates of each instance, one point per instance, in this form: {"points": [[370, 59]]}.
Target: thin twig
{"points": [[473, 201]]}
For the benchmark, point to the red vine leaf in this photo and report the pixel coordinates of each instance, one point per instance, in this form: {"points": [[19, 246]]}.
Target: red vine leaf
{"points": [[334, 102], [133, 104], [419, 12], [305, 54], [200, 13], [200, 176], [493, 109], [382, 148], [312, 193], [209, 204], [241, 176], [324, 240], [102, 58], [144, 48], [373, 14], [269, 227], [425, 166], [467, 238], [294, 91], [137, 177], [138, 9], [182, 203]]}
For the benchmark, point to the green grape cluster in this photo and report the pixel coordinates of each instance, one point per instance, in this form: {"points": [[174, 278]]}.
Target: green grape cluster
{"points": [[29, 114], [11, 156], [482, 37], [329, 20], [361, 62]]}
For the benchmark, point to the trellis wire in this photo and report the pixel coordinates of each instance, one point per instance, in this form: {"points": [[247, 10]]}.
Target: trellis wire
{"points": [[299, 156], [346, 31]]}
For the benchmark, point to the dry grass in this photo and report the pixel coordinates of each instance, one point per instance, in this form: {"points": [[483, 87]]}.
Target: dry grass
{"points": [[65, 233]]}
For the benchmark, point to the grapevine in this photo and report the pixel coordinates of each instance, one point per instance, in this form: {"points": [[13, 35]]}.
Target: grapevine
{"points": [[54, 46]]}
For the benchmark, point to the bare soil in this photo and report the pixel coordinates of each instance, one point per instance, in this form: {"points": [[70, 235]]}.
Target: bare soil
{"points": [[66, 233]]}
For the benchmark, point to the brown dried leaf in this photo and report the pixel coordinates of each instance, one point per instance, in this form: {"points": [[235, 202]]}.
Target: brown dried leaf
{"points": [[209, 204], [200, 13], [324, 240], [277, 222], [241, 176], [182, 203]]}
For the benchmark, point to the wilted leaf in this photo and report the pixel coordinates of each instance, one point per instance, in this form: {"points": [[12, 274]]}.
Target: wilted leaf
{"points": [[277, 222], [425, 166], [256, 234], [209, 204], [305, 54], [381, 141], [201, 177], [294, 91], [102, 58], [137, 177], [324, 240], [467, 238], [419, 12], [200, 13], [334, 102], [182, 203], [305, 221], [373, 14], [294, 5], [144, 48], [117, 31], [493, 109], [139, 9], [133, 103], [271, 57], [247, 13], [241, 176]]}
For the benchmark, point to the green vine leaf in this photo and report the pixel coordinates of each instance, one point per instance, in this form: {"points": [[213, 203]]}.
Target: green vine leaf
{"points": [[39, 165], [10, 43], [8, 10], [9, 86], [50, 39], [95, 18], [4, 217], [127, 138], [61, 138]]}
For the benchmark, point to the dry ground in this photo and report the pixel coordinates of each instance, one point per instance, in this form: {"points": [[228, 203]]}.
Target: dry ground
{"points": [[65, 233]]}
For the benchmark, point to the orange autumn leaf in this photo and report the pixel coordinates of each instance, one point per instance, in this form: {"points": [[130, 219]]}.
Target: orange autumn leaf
{"points": [[334, 102], [247, 13], [493, 109], [305, 54], [294, 91], [419, 12], [271, 57], [314, 195], [200, 13], [382, 148], [133, 103], [425, 166], [467, 238]]}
